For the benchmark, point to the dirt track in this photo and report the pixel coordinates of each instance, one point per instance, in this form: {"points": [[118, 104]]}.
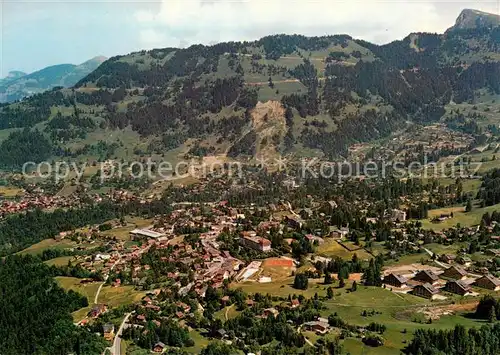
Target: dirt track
{"points": [[262, 83]]}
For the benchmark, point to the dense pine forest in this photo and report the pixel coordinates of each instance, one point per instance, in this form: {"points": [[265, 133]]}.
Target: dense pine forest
{"points": [[458, 341], [35, 312]]}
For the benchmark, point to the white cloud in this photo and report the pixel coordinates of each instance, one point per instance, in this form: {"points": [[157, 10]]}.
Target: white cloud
{"points": [[152, 38], [202, 21], [199, 21]]}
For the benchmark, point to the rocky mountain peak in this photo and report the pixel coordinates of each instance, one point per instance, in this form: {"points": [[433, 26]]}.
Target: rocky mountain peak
{"points": [[470, 18]]}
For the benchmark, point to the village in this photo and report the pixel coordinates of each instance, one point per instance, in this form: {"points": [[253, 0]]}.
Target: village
{"points": [[199, 265], [191, 244], [39, 199]]}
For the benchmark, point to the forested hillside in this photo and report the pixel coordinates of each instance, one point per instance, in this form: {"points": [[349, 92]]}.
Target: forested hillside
{"points": [[485, 340], [334, 91], [35, 313]]}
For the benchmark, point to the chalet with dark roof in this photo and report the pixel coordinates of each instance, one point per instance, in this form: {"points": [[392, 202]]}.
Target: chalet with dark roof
{"points": [[318, 327], [447, 258], [294, 222], [426, 276], [395, 280], [488, 282], [97, 310], [426, 290], [458, 286], [455, 272], [159, 347]]}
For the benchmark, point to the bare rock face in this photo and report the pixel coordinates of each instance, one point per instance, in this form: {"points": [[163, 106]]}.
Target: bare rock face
{"points": [[469, 18]]}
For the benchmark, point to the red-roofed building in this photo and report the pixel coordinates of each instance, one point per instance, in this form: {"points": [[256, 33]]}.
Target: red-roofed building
{"points": [[256, 243], [179, 315]]}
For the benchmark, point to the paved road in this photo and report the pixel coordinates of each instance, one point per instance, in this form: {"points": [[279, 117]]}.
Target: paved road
{"points": [[115, 349]]}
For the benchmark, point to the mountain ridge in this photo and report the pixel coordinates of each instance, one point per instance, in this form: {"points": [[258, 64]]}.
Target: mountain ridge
{"points": [[470, 18], [335, 91], [66, 75]]}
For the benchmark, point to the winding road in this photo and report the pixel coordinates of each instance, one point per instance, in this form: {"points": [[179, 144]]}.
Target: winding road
{"points": [[307, 340], [115, 349]]}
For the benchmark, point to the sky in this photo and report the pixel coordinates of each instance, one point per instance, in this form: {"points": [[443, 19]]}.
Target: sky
{"points": [[36, 33]]}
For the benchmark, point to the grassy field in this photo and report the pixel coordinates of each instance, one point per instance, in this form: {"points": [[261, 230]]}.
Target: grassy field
{"points": [[4, 133], [399, 332], [459, 216], [135, 350], [111, 296], [73, 283], [423, 256], [488, 165], [200, 342], [284, 288], [331, 248], [87, 290], [409, 259], [123, 346], [468, 185], [229, 311], [444, 249], [122, 233], [280, 288], [118, 296], [47, 244], [280, 88], [392, 309], [9, 191], [80, 314], [61, 261]]}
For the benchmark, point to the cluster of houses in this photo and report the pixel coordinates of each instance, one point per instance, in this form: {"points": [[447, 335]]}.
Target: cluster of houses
{"points": [[101, 262], [209, 264], [429, 284], [430, 138], [31, 201], [38, 199]]}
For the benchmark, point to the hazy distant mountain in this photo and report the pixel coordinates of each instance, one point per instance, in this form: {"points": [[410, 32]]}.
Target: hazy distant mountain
{"points": [[13, 75], [18, 85]]}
